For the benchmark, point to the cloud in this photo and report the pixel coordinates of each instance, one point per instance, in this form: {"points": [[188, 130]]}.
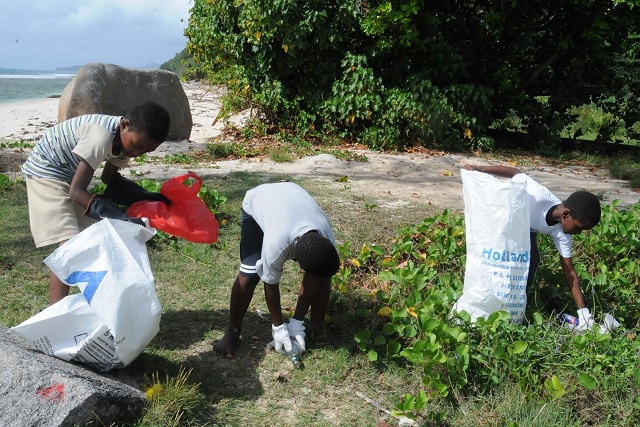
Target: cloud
{"points": [[52, 33]]}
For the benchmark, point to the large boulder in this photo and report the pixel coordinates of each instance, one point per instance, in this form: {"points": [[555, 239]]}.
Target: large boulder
{"points": [[41, 390], [111, 89]]}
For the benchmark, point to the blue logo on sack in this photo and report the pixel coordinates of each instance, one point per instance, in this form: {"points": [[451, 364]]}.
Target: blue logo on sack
{"points": [[91, 278]]}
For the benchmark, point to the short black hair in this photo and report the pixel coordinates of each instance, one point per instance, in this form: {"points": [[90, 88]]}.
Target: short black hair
{"points": [[317, 255], [151, 119], [585, 208]]}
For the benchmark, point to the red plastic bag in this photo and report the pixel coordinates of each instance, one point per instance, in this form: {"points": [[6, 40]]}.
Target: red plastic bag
{"points": [[187, 216]]}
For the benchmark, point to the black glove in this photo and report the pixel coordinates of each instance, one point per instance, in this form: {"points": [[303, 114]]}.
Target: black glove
{"points": [[101, 207], [125, 192]]}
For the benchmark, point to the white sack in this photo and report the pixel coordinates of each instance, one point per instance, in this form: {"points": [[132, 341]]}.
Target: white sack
{"points": [[497, 229], [118, 312]]}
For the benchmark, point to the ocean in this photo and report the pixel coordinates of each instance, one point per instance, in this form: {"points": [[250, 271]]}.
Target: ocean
{"points": [[18, 85]]}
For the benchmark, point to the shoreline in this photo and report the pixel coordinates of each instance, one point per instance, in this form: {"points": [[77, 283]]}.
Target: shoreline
{"points": [[26, 120]]}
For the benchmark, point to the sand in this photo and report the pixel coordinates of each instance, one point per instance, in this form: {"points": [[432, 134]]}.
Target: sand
{"points": [[396, 179]]}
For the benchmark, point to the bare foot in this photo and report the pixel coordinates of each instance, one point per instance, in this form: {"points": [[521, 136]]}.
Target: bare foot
{"points": [[227, 345]]}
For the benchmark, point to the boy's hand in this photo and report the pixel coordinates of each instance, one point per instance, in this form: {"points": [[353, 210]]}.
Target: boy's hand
{"points": [[281, 341], [157, 197], [101, 207], [125, 192], [296, 332]]}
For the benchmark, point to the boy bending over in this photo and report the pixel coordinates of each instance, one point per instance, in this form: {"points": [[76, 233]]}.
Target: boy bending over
{"points": [[549, 215], [281, 221]]}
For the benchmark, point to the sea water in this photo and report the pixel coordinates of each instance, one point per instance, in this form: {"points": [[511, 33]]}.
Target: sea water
{"points": [[18, 85]]}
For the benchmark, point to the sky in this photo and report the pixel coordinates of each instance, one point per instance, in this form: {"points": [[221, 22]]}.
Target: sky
{"points": [[46, 34]]}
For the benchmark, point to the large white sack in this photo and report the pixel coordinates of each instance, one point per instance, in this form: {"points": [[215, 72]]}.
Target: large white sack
{"points": [[118, 312], [497, 227]]}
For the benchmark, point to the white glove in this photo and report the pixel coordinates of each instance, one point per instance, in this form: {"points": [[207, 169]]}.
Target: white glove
{"points": [[609, 324], [281, 341], [296, 332], [585, 321]]}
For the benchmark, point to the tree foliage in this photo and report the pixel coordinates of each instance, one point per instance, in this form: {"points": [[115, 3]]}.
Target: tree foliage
{"points": [[392, 73]]}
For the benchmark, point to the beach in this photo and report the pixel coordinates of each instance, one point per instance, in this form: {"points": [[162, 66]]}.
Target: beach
{"points": [[405, 179], [26, 120]]}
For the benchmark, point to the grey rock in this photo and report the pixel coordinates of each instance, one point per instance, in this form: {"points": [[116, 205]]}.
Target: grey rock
{"points": [[114, 90], [41, 390]]}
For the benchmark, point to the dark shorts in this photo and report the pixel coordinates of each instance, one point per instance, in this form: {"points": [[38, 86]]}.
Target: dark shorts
{"points": [[251, 237], [534, 260]]}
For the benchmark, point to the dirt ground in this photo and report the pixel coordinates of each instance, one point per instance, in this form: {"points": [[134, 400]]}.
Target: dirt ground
{"points": [[396, 179]]}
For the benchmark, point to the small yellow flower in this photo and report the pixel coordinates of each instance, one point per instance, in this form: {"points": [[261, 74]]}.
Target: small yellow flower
{"points": [[384, 311], [285, 47], [412, 312], [355, 262], [467, 133], [154, 390]]}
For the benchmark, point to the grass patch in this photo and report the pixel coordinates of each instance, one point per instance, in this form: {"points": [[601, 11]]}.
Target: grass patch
{"points": [[193, 283], [188, 384], [625, 168]]}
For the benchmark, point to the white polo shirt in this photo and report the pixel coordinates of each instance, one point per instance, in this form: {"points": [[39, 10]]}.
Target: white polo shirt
{"points": [[540, 201]]}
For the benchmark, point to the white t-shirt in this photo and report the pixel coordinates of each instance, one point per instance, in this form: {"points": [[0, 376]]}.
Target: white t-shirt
{"points": [[540, 201], [284, 211]]}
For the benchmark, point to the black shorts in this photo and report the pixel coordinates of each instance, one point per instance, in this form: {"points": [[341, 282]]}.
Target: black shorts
{"points": [[251, 237]]}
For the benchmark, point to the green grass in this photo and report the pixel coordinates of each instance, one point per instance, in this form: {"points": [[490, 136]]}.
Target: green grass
{"points": [[188, 384], [193, 283]]}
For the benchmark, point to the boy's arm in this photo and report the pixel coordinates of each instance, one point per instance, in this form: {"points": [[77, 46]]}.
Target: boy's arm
{"points": [[573, 282], [109, 172], [502, 171], [78, 191], [272, 297]]}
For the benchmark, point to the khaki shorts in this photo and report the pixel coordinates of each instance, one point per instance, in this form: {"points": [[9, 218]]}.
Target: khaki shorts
{"points": [[53, 216]]}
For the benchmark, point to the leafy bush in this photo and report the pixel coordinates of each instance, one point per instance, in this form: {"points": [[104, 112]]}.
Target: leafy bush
{"points": [[392, 74], [420, 276]]}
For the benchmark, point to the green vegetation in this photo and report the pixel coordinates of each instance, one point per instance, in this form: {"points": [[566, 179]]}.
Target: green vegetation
{"points": [[392, 337], [184, 66], [410, 72], [420, 276]]}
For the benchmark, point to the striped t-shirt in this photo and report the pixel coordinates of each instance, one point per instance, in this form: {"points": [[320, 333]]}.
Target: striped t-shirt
{"points": [[62, 147]]}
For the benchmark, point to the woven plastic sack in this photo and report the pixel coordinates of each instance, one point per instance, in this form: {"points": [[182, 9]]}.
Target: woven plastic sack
{"points": [[117, 313], [497, 224], [187, 216]]}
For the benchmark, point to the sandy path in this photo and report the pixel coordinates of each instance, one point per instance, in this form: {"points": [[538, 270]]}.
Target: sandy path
{"points": [[407, 178]]}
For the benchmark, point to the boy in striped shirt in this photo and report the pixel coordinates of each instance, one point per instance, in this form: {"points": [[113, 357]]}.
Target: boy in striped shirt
{"points": [[61, 166]]}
